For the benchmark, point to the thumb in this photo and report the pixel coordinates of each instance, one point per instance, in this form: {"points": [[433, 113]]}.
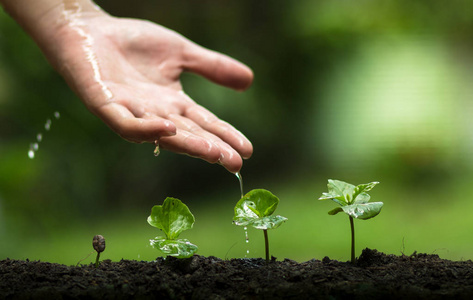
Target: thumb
{"points": [[217, 67]]}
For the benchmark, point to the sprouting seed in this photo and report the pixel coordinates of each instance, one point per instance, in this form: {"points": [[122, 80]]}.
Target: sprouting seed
{"points": [[99, 245]]}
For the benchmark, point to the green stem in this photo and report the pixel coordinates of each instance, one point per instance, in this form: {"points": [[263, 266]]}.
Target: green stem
{"points": [[352, 226], [266, 244], [97, 260]]}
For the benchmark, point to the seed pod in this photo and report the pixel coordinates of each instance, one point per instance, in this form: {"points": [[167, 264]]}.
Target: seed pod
{"points": [[98, 243]]}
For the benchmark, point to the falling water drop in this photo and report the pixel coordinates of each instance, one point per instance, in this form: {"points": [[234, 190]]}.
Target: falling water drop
{"points": [[39, 137], [247, 240], [47, 125], [156, 150]]}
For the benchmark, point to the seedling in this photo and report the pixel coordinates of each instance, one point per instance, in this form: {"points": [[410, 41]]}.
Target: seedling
{"points": [[256, 209], [172, 218], [354, 201], [99, 245]]}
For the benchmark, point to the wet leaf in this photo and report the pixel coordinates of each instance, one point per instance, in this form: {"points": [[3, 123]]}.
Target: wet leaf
{"points": [[338, 191], [255, 209], [172, 217], [180, 248], [363, 211], [353, 200], [360, 193], [269, 222]]}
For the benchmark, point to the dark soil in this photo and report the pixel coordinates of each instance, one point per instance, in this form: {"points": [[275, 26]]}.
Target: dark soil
{"points": [[375, 276]]}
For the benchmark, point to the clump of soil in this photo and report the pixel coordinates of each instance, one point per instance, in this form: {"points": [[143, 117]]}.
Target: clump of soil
{"points": [[375, 276]]}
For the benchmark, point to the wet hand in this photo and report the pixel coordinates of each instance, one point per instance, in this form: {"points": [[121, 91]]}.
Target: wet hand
{"points": [[127, 73]]}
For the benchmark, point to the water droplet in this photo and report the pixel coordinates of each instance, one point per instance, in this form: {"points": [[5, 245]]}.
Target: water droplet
{"points": [[156, 150], [47, 125], [39, 136], [247, 240]]}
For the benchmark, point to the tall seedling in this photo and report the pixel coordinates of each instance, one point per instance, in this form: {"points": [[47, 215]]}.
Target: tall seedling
{"points": [[354, 201]]}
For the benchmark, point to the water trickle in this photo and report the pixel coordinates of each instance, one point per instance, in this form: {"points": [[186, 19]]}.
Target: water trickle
{"points": [[240, 178], [39, 136], [247, 240]]}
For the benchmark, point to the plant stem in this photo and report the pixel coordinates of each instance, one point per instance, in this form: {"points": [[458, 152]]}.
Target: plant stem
{"points": [[352, 226], [97, 260], [266, 244]]}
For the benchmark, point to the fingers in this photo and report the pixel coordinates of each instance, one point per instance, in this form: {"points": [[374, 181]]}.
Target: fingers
{"points": [[191, 139], [209, 122], [133, 129], [217, 67]]}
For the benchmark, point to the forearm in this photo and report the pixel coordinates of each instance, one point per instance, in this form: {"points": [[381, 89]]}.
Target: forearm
{"points": [[44, 19]]}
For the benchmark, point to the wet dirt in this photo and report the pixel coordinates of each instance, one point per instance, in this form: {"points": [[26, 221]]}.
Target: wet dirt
{"points": [[375, 276]]}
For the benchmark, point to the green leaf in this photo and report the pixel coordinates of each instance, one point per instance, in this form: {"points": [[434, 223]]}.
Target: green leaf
{"points": [[363, 211], [180, 248], [339, 191], [257, 203], [269, 222], [360, 193], [172, 217], [354, 200], [255, 209], [335, 211]]}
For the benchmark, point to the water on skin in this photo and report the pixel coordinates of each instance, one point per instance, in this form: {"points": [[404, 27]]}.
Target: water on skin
{"points": [[72, 14], [34, 147]]}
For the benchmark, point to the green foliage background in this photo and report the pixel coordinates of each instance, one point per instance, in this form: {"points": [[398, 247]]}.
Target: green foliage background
{"points": [[356, 91]]}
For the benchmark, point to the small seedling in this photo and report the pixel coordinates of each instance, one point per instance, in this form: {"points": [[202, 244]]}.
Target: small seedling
{"points": [[256, 209], [172, 218], [354, 201], [99, 245]]}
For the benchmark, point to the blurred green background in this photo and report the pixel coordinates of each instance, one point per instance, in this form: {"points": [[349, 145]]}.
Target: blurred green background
{"points": [[357, 91]]}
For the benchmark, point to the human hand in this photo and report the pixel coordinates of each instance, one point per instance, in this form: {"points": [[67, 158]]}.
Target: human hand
{"points": [[127, 73]]}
